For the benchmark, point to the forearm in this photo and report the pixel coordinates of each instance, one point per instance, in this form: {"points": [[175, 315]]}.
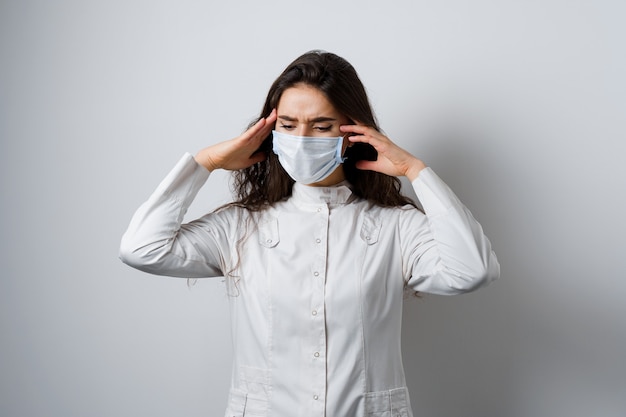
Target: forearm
{"points": [[152, 235], [459, 258]]}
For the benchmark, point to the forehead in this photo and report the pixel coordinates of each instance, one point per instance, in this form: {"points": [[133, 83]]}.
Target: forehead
{"points": [[304, 101]]}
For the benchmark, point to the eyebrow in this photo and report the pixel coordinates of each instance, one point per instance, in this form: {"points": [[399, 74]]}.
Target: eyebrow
{"points": [[314, 120]]}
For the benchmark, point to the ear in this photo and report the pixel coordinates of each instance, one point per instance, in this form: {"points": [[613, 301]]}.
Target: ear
{"points": [[345, 144]]}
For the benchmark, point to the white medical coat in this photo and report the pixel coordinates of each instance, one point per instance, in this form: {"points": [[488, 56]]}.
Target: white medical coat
{"points": [[315, 286]]}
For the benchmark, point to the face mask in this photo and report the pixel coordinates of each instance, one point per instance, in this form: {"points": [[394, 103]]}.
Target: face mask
{"points": [[308, 159]]}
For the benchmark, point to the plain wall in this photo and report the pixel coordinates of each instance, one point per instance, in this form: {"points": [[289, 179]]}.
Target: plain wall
{"points": [[518, 105]]}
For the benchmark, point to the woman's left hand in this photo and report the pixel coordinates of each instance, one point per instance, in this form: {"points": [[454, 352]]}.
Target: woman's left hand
{"points": [[392, 159]]}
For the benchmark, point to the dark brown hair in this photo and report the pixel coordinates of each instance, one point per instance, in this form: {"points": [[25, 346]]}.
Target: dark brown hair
{"points": [[266, 182]]}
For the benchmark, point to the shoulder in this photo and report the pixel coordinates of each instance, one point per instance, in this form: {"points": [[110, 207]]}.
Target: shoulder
{"points": [[403, 210], [227, 216], [396, 217], [403, 219]]}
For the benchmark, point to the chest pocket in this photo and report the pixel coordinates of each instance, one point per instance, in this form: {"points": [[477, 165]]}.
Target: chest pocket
{"points": [[268, 232], [370, 230]]}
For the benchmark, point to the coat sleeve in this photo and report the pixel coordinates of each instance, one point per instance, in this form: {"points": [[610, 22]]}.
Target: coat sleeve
{"points": [[444, 251], [157, 242]]}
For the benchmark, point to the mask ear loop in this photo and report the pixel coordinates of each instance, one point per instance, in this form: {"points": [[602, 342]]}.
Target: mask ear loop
{"points": [[340, 155]]}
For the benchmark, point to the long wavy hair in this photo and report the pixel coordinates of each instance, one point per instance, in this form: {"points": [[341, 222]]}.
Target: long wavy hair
{"points": [[266, 182]]}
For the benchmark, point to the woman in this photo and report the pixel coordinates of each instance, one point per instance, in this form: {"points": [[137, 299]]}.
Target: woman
{"points": [[317, 248]]}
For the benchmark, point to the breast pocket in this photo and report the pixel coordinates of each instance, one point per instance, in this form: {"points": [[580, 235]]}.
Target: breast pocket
{"points": [[370, 230], [268, 232], [391, 403]]}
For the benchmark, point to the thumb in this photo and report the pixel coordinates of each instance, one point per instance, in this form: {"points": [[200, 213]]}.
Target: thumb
{"points": [[258, 157]]}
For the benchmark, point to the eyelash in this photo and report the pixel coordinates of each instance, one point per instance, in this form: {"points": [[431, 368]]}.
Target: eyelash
{"points": [[318, 128]]}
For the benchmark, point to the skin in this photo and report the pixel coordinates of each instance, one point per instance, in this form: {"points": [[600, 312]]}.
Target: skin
{"points": [[305, 111]]}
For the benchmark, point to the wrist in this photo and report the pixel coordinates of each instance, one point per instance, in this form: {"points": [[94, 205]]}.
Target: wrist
{"points": [[204, 159], [414, 169]]}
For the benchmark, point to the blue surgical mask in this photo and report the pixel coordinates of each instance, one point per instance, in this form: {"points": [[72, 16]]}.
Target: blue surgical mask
{"points": [[308, 159]]}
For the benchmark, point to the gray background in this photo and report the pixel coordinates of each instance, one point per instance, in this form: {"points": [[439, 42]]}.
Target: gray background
{"points": [[519, 106]]}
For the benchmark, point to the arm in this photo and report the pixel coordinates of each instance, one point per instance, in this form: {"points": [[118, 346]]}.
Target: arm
{"points": [[452, 255], [444, 252], [157, 242]]}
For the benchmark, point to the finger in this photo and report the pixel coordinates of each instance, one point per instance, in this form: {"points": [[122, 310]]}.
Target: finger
{"points": [[269, 124], [357, 128], [257, 157], [358, 138], [377, 141], [259, 131], [253, 131], [272, 117], [366, 165]]}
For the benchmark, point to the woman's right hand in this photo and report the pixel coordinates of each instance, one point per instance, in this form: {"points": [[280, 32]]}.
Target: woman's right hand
{"points": [[240, 152]]}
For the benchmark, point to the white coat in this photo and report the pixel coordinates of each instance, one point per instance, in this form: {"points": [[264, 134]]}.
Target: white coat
{"points": [[315, 286]]}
